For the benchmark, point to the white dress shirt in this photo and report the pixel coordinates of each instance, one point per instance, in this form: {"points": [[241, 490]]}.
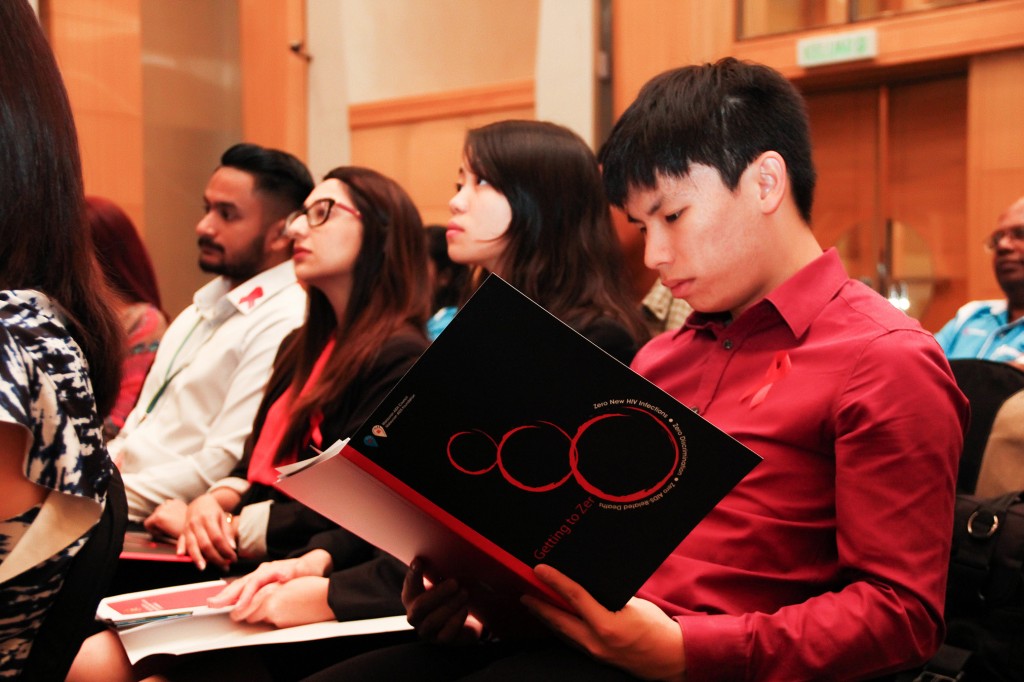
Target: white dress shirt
{"points": [[200, 397]]}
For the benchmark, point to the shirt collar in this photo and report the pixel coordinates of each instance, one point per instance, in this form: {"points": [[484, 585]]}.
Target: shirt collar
{"points": [[1000, 307], [216, 299], [802, 297], [798, 300]]}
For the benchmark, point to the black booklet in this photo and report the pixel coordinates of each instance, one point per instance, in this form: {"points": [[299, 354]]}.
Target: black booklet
{"points": [[515, 441]]}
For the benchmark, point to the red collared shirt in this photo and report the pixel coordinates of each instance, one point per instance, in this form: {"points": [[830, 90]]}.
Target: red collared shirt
{"points": [[829, 560]]}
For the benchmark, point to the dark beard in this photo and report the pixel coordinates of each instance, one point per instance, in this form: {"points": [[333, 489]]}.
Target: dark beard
{"points": [[245, 266]]}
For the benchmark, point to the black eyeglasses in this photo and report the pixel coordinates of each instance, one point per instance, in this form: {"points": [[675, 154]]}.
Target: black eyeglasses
{"points": [[317, 213], [1016, 235]]}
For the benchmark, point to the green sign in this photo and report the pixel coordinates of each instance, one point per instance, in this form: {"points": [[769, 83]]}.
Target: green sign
{"points": [[837, 47]]}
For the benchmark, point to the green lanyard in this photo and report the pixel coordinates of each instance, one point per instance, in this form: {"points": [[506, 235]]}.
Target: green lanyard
{"points": [[169, 375]]}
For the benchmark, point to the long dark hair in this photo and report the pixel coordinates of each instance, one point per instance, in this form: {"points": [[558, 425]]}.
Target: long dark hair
{"points": [[44, 238], [122, 255], [390, 292], [562, 250]]}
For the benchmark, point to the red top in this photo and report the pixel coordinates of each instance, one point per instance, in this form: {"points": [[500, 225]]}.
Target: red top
{"points": [[829, 560], [263, 464], [144, 325]]}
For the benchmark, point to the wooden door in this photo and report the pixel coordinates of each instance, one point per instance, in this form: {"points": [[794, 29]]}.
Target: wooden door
{"points": [[892, 191]]}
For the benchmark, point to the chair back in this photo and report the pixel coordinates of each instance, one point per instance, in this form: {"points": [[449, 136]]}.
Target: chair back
{"points": [[987, 385]]}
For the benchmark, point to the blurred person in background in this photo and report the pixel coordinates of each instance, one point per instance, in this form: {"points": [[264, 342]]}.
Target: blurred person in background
{"points": [[129, 272], [448, 280]]}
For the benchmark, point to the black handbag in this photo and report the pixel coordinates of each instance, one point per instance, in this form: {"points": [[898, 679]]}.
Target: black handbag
{"points": [[985, 591]]}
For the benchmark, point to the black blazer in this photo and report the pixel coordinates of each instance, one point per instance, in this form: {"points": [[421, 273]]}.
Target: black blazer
{"points": [[366, 582]]}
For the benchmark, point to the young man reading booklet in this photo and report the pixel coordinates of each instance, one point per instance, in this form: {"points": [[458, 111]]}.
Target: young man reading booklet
{"points": [[829, 560]]}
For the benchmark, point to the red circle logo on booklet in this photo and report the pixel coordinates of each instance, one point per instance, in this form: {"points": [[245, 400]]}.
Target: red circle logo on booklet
{"points": [[472, 452], [622, 455], [524, 457], [637, 457]]}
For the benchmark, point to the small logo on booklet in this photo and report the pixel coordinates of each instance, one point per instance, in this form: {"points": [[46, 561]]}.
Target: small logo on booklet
{"points": [[379, 431], [370, 441]]}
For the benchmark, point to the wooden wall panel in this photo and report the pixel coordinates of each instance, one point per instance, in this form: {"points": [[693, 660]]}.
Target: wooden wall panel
{"points": [[897, 154], [98, 48], [846, 161], [274, 77], [483, 99], [928, 187], [417, 141], [650, 36], [995, 157]]}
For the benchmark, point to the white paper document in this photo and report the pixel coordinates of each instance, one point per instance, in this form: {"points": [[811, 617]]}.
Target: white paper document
{"points": [[218, 631]]}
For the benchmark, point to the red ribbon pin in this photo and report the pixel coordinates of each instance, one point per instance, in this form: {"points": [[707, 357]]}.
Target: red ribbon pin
{"points": [[251, 298], [778, 369]]}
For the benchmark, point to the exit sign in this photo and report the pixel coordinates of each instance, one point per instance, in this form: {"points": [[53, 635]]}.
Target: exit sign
{"points": [[837, 47]]}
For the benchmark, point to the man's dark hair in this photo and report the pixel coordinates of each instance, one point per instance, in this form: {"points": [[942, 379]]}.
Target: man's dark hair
{"points": [[276, 173], [723, 115]]}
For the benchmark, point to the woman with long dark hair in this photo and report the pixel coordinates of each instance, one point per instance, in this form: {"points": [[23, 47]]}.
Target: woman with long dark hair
{"points": [[60, 356], [359, 250], [448, 281], [530, 208]]}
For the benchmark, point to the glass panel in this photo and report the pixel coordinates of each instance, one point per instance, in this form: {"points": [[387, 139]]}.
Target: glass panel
{"points": [[766, 17], [875, 9], [904, 272]]}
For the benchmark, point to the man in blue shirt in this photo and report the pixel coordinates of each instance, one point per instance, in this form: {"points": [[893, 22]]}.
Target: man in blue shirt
{"points": [[994, 330]]}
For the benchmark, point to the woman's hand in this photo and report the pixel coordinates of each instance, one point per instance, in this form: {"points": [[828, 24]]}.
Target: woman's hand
{"points": [[242, 592], [167, 520], [208, 534], [640, 638], [287, 604], [439, 612]]}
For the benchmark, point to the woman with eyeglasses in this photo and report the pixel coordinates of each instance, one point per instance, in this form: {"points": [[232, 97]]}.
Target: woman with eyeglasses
{"points": [[359, 250]]}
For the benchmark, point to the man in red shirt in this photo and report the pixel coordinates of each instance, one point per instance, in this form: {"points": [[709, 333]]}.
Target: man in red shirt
{"points": [[829, 560]]}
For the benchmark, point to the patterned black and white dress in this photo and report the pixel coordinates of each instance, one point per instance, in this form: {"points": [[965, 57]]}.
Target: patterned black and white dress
{"points": [[45, 387]]}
